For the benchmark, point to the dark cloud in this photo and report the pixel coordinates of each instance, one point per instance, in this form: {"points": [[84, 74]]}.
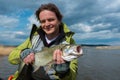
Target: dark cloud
{"points": [[90, 19]]}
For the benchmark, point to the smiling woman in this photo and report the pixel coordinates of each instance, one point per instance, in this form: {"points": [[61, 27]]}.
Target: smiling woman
{"points": [[52, 31]]}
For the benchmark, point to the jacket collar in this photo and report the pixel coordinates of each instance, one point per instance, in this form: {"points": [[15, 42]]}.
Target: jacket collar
{"points": [[56, 41], [65, 30]]}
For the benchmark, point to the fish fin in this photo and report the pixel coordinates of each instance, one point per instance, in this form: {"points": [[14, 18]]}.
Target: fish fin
{"points": [[36, 69], [48, 66]]}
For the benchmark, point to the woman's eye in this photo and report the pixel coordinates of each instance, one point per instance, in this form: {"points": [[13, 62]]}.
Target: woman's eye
{"points": [[42, 21], [51, 19]]}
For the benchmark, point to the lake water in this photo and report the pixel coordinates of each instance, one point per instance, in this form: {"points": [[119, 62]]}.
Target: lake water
{"points": [[95, 64]]}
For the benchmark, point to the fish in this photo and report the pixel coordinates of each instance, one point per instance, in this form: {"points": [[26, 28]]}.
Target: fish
{"points": [[69, 52], [45, 56]]}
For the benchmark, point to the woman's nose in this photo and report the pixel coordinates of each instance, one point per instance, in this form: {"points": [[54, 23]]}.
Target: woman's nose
{"points": [[47, 23]]}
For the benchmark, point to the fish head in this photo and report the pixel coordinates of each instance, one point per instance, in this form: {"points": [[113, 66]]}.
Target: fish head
{"points": [[72, 50]]}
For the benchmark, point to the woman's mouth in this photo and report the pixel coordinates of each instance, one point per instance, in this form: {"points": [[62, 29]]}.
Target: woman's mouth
{"points": [[48, 27]]}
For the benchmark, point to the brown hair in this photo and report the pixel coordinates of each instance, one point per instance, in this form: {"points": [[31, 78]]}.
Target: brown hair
{"points": [[51, 7]]}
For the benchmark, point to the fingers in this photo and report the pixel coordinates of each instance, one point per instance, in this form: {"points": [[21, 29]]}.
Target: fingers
{"points": [[29, 59], [57, 57], [54, 55]]}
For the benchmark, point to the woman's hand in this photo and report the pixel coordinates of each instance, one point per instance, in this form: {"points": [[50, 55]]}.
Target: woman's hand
{"points": [[28, 56], [29, 59], [57, 57]]}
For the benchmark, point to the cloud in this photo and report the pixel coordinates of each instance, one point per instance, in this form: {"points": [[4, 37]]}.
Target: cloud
{"points": [[113, 5], [12, 38], [13, 5], [87, 28], [8, 22], [79, 27], [106, 35], [32, 20], [13, 34], [93, 21], [97, 33]]}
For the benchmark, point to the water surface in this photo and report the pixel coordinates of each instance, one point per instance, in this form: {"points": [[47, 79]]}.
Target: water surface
{"points": [[95, 64], [98, 64]]}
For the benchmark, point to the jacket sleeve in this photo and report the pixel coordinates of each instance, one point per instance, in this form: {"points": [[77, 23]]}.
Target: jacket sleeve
{"points": [[14, 56], [73, 66], [73, 71]]}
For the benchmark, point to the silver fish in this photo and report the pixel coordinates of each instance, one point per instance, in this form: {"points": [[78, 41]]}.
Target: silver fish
{"points": [[45, 56]]}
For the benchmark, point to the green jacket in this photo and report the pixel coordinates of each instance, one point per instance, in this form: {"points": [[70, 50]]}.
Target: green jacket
{"points": [[14, 57]]}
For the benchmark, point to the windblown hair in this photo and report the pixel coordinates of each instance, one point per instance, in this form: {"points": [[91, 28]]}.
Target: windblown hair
{"points": [[51, 7]]}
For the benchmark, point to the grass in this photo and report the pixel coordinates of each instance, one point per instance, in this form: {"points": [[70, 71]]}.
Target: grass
{"points": [[5, 50]]}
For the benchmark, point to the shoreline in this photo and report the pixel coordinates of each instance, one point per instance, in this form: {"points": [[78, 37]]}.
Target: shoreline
{"points": [[5, 50], [108, 47]]}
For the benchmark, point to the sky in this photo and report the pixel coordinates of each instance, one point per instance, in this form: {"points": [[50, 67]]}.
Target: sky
{"points": [[93, 21]]}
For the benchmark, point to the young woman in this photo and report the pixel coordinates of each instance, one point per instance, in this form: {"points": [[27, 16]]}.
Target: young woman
{"points": [[51, 32]]}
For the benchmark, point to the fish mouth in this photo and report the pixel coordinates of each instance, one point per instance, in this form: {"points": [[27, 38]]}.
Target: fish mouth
{"points": [[78, 49]]}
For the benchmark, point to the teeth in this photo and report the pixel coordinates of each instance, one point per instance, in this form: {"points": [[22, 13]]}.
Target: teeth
{"points": [[50, 26]]}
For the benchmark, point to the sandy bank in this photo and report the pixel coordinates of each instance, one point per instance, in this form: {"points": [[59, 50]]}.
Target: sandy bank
{"points": [[5, 50], [108, 47]]}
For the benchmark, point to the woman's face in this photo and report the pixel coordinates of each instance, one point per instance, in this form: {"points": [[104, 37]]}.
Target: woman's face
{"points": [[49, 22]]}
